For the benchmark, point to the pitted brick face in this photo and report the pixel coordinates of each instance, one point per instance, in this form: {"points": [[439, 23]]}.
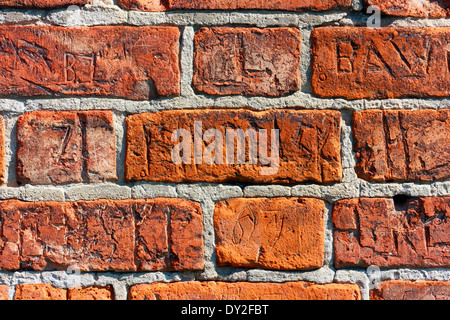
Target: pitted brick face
{"points": [[247, 61], [101, 235], [209, 290], [402, 145], [285, 5], [374, 232], [422, 8], [39, 291], [411, 290], [137, 63], [384, 63], [63, 147], [278, 234]]}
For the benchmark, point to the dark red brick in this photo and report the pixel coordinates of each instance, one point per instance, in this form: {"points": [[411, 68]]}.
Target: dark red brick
{"points": [[375, 232], [411, 290], [41, 4]]}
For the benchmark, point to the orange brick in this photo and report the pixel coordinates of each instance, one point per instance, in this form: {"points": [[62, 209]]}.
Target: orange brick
{"points": [[4, 292], [409, 290], [369, 63], [40, 291], [90, 293], [423, 8], [244, 291], [279, 233]]}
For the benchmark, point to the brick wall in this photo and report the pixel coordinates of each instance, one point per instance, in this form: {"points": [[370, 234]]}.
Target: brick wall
{"points": [[118, 180]]}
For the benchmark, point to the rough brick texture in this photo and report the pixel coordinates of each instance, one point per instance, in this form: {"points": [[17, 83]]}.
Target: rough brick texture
{"points": [[39, 291], [247, 61], [63, 147], [309, 146], [244, 291], [41, 4], [409, 290], [4, 292], [422, 8], [129, 235], [357, 63], [90, 293], [291, 5], [279, 233], [402, 145], [412, 233], [128, 62]]}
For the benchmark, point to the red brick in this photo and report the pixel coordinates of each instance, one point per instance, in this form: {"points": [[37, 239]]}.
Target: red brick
{"points": [[169, 236], [42, 4], [409, 290], [288, 5], [375, 232], [4, 292], [115, 61], [194, 290], [39, 291], [309, 146], [278, 233], [63, 147], [357, 63], [247, 61], [423, 8], [402, 145], [90, 293], [98, 235]]}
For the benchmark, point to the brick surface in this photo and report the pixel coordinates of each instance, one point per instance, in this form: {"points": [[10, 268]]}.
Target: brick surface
{"points": [[244, 291], [42, 4], [290, 5], [63, 147], [100, 235], [309, 147], [90, 293], [4, 292], [402, 145], [247, 61], [412, 233], [39, 291], [128, 62], [278, 233], [356, 63], [409, 290], [423, 8]]}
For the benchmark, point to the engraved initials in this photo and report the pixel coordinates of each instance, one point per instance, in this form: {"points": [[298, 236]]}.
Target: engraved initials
{"points": [[78, 68]]}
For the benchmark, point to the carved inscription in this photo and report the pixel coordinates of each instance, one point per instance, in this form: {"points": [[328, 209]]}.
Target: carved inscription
{"points": [[358, 63], [283, 233], [402, 145], [134, 63], [387, 234], [63, 147]]}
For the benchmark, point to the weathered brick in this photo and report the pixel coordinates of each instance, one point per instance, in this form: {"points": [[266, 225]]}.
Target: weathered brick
{"points": [[409, 290], [63, 147], [99, 235], [247, 61], [288, 5], [278, 233], [39, 291], [42, 4], [169, 236], [309, 146], [116, 61], [423, 8], [357, 63], [402, 145], [412, 233], [194, 290], [90, 293], [4, 292]]}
